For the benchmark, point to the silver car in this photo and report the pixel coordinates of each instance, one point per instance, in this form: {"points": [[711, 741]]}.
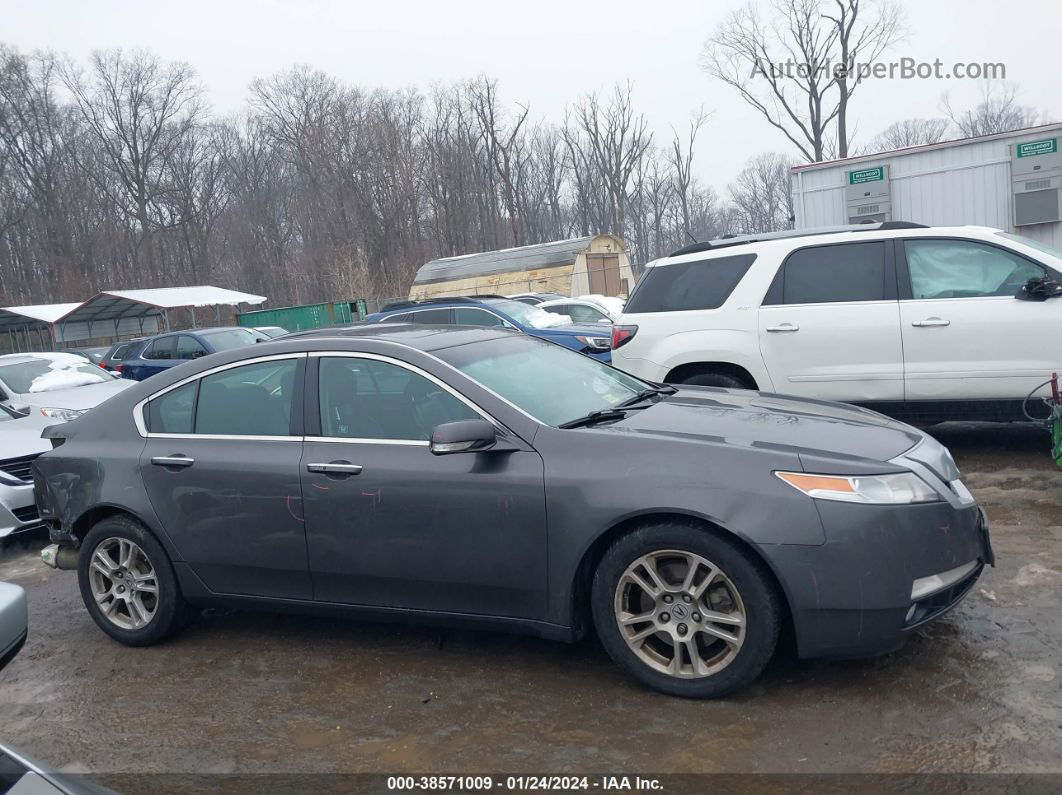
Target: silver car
{"points": [[59, 386], [20, 443]]}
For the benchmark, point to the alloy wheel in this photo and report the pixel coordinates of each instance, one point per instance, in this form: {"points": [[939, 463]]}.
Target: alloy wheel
{"points": [[680, 614], [124, 583]]}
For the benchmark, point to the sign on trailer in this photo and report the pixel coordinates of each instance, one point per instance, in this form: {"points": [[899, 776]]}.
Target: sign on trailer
{"points": [[1046, 147], [866, 175]]}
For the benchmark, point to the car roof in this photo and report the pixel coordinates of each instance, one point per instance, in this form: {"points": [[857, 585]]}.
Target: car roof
{"points": [[422, 337]]}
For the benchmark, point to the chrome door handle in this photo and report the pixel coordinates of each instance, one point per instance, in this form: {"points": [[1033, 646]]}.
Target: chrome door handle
{"points": [[172, 461], [335, 468], [787, 327], [931, 321]]}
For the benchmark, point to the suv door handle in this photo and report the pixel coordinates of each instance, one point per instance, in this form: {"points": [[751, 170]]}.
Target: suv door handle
{"points": [[931, 321], [784, 327], [172, 461], [335, 468]]}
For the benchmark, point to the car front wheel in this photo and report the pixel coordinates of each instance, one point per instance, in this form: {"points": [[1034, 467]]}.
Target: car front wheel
{"points": [[685, 610], [128, 584]]}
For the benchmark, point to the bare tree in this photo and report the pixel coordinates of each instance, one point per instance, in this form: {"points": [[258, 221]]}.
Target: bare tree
{"points": [[998, 111], [761, 196], [614, 139], [140, 111], [504, 146], [800, 69], [682, 167], [907, 132]]}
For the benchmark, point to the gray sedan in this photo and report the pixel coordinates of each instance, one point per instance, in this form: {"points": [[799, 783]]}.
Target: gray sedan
{"points": [[484, 478]]}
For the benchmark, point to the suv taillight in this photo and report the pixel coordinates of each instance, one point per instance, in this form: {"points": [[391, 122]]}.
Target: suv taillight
{"points": [[621, 335], [117, 368]]}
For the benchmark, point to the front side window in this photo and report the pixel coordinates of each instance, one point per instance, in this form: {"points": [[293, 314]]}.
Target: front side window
{"points": [[189, 348], [250, 400], [832, 274], [965, 269], [162, 348], [433, 317], [551, 383], [468, 316], [371, 399], [685, 286], [230, 339]]}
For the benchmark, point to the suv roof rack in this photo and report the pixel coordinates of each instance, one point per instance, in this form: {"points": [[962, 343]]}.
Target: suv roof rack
{"points": [[740, 240], [453, 299]]}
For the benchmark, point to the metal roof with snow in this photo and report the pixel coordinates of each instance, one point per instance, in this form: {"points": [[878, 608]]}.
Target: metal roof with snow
{"points": [[119, 304], [35, 316], [508, 260]]}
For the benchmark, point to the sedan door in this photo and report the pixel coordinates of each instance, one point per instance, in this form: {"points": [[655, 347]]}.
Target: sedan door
{"points": [[390, 524], [221, 467], [829, 326], [965, 335]]}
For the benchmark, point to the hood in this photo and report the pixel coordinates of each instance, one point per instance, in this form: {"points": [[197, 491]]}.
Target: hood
{"points": [[19, 437], [781, 422], [80, 397]]}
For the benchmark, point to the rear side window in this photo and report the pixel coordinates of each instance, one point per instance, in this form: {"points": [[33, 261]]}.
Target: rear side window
{"points": [[830, 274], [163, 348], [701, 284], [433, 317], [252, 400], [172, 413]]}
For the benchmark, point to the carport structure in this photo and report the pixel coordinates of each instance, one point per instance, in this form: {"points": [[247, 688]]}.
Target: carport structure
{"points": [[115, 313], [23, 323]]}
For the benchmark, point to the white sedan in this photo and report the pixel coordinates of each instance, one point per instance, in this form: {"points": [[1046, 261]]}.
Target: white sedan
{"points": [[586, 308], [59, 386]]}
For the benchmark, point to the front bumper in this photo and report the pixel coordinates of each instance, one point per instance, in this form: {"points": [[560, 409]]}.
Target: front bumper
{"points": [[864, 590], [17, 510]]}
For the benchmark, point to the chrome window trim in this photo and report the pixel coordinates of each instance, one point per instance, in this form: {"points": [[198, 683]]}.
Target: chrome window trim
{"points": [[351, 440], [138, 409]]}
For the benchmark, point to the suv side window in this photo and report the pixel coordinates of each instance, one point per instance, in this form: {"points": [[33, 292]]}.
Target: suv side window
{"points": [[189, 348], [370, 399], [250, 400], [434, 317], [472, 316], [831, 274], [682, 286], [965, 269], [162, 348]]}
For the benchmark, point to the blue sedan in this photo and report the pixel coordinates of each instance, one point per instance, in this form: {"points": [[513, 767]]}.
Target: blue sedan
{"points": [[593, 339]]}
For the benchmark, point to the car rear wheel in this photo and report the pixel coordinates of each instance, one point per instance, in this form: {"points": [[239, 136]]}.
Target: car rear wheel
{"points": [[128, 584], [685, 610]]}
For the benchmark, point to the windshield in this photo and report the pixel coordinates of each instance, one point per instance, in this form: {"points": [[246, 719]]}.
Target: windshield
{"points": [[528, 315], [553, 384], [47, 374], [232, 338], [1025, 241]]}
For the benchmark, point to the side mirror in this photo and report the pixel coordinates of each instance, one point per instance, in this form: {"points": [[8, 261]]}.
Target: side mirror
{"points": [[13, 621], [1039, 289], [466, 436]]}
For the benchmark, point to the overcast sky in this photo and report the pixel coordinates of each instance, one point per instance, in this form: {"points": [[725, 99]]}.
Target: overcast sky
{"points": [[545, 53]]}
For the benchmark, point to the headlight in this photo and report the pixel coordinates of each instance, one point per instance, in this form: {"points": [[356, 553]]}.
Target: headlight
{"points": [[904, 488], [63, 414]]}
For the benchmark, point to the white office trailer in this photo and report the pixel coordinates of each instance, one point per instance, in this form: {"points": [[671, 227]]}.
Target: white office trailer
{"points": [[1011, 181]]}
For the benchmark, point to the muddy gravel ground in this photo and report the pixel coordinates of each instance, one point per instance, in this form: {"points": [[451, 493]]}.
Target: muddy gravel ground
{"points": [[978, 691]]}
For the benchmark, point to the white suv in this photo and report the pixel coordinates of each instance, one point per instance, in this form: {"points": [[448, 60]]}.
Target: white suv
{"points": [[919, 322]]}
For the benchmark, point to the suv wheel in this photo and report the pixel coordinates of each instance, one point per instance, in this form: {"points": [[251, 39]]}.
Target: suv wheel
{"points": [[714, 379], [685, 610], [128, 584]]}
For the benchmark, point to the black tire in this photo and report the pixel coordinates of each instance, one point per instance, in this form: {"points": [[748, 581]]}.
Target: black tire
{"points": [[171, 612], [762, 607], [714, 379]]}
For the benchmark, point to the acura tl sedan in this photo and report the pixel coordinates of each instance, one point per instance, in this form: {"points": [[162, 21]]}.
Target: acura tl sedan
{"points": [[453, 475]]}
